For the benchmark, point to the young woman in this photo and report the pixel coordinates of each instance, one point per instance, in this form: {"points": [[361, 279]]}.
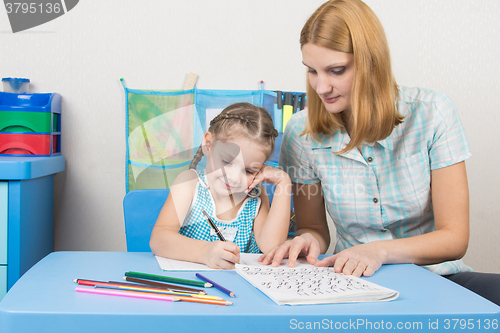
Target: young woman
{"points": [[388, 161]]}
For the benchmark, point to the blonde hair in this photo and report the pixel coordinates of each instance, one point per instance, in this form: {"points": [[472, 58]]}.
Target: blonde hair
{"points": [[351, 26], [242, 119]]}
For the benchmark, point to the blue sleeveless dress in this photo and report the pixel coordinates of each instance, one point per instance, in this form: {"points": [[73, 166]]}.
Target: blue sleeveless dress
{"points": [[239, 230]]}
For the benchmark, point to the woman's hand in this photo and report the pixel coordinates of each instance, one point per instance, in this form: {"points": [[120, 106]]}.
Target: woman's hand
{"points": [[221, 255], [305, 244], [364, 259]]}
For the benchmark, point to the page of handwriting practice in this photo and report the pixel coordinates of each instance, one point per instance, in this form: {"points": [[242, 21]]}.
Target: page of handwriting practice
{"points": [[308, 285]]}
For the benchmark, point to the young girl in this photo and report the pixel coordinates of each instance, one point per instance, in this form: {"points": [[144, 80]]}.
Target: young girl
{"points": [[240, 139]]}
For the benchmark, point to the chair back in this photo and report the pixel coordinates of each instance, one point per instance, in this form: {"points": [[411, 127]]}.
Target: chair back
{"points": [[141, 209]]}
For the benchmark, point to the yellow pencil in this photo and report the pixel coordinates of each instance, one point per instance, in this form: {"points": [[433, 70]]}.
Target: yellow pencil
{"points": [[162, 291], [193, 299]]}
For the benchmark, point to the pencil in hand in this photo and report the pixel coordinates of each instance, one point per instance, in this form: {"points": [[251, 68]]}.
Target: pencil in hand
{"points": [[212, 224]]}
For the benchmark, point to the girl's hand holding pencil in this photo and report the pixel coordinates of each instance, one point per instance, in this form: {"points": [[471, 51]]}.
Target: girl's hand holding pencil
{"points": [[221, 255], [218, 255]]}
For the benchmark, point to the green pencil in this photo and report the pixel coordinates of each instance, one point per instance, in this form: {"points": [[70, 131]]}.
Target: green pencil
{"points": [[168, 279]]}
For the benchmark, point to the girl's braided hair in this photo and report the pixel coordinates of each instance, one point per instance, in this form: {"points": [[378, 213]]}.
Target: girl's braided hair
{"points": [[242, 119]]}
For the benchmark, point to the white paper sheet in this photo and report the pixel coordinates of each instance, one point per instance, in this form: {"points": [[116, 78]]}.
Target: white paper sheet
{"points": [[249, 259]]}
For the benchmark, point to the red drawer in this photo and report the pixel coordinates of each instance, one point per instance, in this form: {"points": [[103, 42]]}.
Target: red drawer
{"points": [[30, 144]]}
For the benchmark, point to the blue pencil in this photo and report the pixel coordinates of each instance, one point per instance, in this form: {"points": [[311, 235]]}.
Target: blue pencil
{"points": [[216, 285]]}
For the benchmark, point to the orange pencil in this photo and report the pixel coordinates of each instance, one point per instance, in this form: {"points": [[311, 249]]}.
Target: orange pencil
{"points": [[201, 300], [177, 297], [155, 290], [135, 294]]}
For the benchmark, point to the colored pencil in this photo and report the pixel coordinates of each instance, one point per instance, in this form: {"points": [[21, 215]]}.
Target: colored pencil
{"points": [[216, 285], [287, 108], [134, 284], [144, 285], [92, 283], [168, 279], [184, 298], [163, 285], [155, 290], [205, 301], [134, 294], [278, 112]]}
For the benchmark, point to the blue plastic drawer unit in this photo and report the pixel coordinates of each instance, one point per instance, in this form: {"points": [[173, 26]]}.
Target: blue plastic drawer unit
{"points": [[3, 236], [26, 214], [30, 124]]}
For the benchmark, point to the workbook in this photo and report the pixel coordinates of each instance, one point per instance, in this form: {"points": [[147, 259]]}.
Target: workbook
{"points": [[249, 259], [312, 285]]}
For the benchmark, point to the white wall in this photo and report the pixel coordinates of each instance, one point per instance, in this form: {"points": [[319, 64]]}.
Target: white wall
{"points": [[448, 45]]}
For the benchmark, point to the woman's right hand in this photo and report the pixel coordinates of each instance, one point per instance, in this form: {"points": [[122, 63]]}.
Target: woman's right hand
{"points": [[305, 244], [221, 255]]}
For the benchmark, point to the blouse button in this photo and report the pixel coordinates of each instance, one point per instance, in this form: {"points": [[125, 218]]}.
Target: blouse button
{"points": [[369, 159], [375, 200]]}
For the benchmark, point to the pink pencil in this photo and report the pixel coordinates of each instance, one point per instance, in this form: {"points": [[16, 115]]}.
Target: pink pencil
{"points": [[126, 294]]}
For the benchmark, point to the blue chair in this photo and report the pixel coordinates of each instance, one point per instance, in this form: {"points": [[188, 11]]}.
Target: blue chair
{"points": [[141, 209]]}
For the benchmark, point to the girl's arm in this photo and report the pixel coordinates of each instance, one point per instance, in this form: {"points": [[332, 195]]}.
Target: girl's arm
{"points": [[167, 242], [312, 234], [449, 241], [272, 222]]}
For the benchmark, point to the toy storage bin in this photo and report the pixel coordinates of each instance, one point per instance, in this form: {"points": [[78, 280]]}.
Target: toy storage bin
{"points": [[30, 124]]}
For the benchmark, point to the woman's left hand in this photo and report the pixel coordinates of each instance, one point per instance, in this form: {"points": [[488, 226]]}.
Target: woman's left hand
{"points": [[364, 259]]}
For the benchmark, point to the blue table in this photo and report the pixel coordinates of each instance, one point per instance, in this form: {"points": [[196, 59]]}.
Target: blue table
{"points": [[44, 300]]}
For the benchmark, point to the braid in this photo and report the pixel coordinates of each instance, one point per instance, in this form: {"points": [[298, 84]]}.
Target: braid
{"points": [[255, 123], [197, 158], [224, 116]]}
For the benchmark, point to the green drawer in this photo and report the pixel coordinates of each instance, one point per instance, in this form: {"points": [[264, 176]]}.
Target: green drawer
{"points": [[26, 122], [4, 204]]}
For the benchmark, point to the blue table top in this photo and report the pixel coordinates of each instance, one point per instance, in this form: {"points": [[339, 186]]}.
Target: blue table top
{"points": [[22, 168], [45, 298]]}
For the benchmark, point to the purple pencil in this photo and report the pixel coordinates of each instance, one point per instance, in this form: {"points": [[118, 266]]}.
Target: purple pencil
{"points": [[216, 285]]}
